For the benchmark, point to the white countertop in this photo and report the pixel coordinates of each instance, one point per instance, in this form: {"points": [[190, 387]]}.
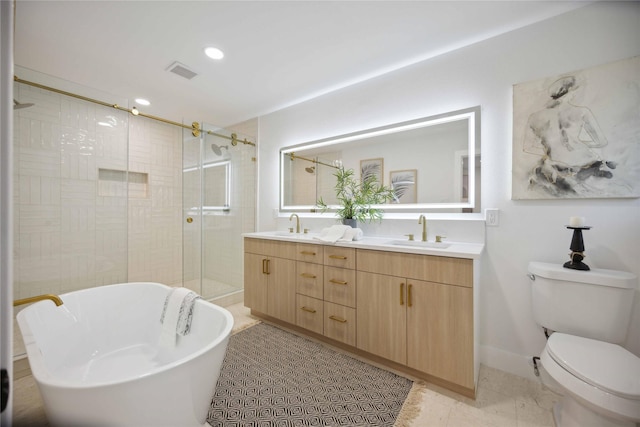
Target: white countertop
{"points": [[446, 248]]}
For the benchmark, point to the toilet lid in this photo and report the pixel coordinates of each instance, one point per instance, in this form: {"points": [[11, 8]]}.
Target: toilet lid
{"points": [[607, 366]]}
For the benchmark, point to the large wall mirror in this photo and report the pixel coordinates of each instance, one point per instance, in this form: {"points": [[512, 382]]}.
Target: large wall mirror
{"points": [[432, 163]]}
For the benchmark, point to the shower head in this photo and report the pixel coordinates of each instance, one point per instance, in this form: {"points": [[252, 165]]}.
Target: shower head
{"points": [[312, 169], [18, 106], [218, 148]]}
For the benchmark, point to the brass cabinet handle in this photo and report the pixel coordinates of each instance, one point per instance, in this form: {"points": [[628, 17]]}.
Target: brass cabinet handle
{"points": [[337, 256], [307, 253], [409, 295], [338, 282], [401, 293], [265, 266], [338, 319], [308, 275], [310, 310], [189, 219]]}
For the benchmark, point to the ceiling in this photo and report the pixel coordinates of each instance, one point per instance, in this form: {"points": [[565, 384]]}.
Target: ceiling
{"points": [[277, 53]]}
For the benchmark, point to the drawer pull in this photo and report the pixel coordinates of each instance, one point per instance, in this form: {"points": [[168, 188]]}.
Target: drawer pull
{"points": [[338, 319], [265, 266], [337, 256], [409, 295], [338, 282], [307, 253], [401, 293], [308, 275], [310, 310]]}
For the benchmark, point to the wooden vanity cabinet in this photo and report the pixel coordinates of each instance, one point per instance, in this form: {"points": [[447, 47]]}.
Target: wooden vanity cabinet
{"points": [[426, 325], [269, 278], [412, 312]]}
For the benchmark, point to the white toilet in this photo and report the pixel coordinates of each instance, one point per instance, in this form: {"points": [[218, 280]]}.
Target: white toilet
{"points": [[588, 314]]}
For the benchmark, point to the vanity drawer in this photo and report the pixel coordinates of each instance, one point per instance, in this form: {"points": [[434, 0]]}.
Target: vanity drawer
{"points": [[339, 257], [430, 268], [340, 323], [340, 286], [309, 312], [270, 247], [309, 253], [309, 279]]}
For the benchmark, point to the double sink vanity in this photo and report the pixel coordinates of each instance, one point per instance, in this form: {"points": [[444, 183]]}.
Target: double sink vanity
{"points": [[408, 305]]}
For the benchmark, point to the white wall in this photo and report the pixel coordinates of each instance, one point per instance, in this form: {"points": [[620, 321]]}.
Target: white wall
{"points": [[483, 74]]}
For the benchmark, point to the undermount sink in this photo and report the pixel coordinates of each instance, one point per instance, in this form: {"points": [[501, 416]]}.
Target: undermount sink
{"points": [[294, 235], [421, 244]]}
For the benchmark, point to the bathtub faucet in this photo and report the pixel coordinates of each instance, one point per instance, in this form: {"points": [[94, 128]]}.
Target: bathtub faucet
{"points": [[56, 299]]}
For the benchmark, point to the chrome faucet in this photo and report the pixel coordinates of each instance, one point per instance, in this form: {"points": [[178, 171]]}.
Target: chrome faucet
{"points": [[297, 222], [422, 220]]}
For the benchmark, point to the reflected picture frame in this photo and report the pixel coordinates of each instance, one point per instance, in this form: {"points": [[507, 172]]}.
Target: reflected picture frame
{"points": [[404, 184], [372, 167]]}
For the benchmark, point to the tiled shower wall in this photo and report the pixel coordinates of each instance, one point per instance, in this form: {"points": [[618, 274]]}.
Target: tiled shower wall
{"points": [[155, 220], [75, 227]]}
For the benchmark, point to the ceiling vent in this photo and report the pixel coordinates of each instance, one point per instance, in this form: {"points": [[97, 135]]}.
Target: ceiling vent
{"points": [[182, 70]]}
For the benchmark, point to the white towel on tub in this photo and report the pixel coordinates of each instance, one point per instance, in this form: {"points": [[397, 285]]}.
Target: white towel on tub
{"points": [[176, 315]]}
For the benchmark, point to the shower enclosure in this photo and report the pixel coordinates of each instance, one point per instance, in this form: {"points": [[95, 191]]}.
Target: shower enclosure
{"points": [[218, 200], [102, 196]]}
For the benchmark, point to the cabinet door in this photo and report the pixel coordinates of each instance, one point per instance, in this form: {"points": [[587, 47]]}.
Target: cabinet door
{"points": [[255, 282], [381, 316], [281, 296], [440, 331]]}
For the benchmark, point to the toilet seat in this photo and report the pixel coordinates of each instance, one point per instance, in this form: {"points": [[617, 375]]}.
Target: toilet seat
{"points": [[600, 374], [604, 365]]}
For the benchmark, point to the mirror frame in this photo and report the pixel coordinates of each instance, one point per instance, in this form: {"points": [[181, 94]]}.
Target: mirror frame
{"points": [[472, 115]]}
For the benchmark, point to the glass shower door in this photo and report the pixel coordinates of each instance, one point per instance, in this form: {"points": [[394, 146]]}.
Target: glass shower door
{"points": [[219, 205], [191, 211]]}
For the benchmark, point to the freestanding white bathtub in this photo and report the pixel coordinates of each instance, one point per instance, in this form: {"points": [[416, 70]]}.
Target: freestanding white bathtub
{"points": [[97, 361]]}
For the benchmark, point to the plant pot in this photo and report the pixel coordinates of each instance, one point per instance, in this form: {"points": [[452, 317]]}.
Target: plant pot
{"points": [[350, 222]]}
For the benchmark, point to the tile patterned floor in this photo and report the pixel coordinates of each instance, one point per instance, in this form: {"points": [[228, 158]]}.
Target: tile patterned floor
{"points": [[502, 399]]}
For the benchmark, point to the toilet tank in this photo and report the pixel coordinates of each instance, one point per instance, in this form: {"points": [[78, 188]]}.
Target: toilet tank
{"points": [[592, 304]]}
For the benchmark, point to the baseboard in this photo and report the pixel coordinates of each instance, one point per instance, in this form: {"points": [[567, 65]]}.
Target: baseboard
{"points": [[512, 363]]}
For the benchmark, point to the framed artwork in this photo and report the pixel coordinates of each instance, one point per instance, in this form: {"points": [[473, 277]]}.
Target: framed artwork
{"points": [[575, 135], [372, 167], [404, 185]]}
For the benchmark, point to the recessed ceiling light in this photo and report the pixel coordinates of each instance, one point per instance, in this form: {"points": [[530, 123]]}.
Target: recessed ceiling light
{"points": [[214, 53], [142, 101]]}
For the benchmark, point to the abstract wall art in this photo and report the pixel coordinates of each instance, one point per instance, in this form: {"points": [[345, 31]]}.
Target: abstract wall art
{"points": [[577, 135]]}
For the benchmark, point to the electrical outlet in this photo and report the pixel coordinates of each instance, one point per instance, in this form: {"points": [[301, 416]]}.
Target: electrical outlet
{"points": [[492, 217]]}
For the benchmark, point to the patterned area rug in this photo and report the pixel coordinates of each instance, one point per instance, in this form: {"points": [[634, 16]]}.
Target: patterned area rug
{"points": [[272, 377]]}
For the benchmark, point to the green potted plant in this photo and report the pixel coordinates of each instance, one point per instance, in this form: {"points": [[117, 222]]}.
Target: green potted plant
{"points": [[356, 198]]}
